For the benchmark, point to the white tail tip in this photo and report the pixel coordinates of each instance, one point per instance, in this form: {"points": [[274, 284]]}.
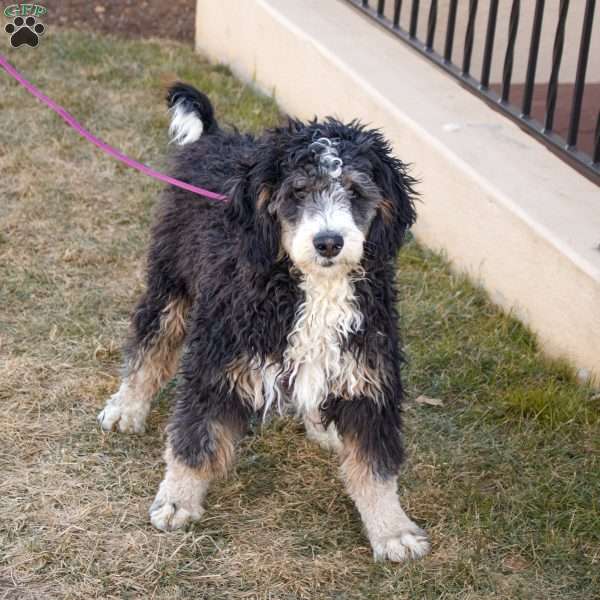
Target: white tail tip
{"points": [[186, 127]]}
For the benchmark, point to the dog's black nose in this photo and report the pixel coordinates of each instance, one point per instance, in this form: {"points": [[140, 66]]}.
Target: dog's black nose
{"points": [[328, 243]]}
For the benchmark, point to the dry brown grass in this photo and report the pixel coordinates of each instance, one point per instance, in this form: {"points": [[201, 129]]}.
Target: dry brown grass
{"points": [[504, 476]]}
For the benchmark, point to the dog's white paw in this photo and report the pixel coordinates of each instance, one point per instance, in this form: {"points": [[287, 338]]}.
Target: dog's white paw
{"points": [[167, 516], [409, 544], [328, 438], [127, 417]]}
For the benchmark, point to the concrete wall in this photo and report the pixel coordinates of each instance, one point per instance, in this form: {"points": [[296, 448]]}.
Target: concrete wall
{"points": [[503, 208]]}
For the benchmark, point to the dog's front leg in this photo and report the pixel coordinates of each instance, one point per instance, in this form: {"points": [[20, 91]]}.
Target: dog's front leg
{"points": [[392, 534], [371, 454], [181, 494], [201, 439]]}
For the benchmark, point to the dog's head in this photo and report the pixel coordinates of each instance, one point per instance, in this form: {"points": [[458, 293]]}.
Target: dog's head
{"points": [[330, 196]]}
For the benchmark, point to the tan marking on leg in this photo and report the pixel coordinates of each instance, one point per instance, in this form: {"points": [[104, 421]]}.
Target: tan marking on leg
{"points": [[180, 495], [154, 366], [392, 534], [355, 471], [223, 454], [159, 361]]}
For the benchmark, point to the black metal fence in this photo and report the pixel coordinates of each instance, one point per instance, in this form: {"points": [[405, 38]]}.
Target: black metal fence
{"points": [[432, 28]]}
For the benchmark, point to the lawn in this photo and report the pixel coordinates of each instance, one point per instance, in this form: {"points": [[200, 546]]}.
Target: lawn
{"points": [[504, 475]]}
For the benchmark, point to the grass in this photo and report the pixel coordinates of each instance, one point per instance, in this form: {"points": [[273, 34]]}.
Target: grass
{"points": [[505, 475]]}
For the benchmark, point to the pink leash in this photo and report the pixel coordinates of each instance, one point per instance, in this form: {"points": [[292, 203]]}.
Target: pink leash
{"points": [[59, 110]]}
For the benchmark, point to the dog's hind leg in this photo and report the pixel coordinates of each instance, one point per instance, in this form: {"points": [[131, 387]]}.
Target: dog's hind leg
{"points": [[206, 423], [152, 355]]}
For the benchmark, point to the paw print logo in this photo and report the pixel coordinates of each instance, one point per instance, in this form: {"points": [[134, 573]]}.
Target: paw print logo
{"points": [[24, 31]]}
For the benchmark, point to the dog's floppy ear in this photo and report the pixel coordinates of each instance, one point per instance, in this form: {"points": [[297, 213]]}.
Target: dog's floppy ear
{"points": [[396, 211], [249, 207]]}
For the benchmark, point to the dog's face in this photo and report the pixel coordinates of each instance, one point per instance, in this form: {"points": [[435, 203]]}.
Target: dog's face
{"points": [[328, 196], [325, 210]]}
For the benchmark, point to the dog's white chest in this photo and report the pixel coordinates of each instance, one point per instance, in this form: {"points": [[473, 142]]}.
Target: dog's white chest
{"points": [[315, 362]]}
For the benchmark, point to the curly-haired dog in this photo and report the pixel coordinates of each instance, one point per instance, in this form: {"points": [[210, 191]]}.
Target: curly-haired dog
{"points": [[283, 296]]}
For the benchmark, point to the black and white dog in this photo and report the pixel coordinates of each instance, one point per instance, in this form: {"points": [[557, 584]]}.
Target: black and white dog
{"points": [[283, 296]]}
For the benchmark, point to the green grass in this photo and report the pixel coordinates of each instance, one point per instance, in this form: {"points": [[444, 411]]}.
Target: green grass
{"points": [[505, 475]]}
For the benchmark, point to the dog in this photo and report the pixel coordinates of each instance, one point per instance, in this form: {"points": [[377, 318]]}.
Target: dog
{"points": [[282, 298]]}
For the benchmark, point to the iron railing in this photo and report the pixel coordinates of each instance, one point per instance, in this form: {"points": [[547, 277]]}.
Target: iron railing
{"points": [[535, 110]]}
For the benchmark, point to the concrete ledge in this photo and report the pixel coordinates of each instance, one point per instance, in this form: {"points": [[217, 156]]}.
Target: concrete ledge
{"points": [[503, 208]]}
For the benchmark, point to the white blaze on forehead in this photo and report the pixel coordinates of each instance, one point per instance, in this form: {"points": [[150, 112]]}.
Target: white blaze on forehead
{"points": [[329, 160]]}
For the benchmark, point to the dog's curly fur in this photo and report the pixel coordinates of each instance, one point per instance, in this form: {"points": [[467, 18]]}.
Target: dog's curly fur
{"points": [[283, 295]]}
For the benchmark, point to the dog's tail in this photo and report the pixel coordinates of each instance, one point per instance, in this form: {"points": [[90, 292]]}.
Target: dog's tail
{"points": [[192, 114]]}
